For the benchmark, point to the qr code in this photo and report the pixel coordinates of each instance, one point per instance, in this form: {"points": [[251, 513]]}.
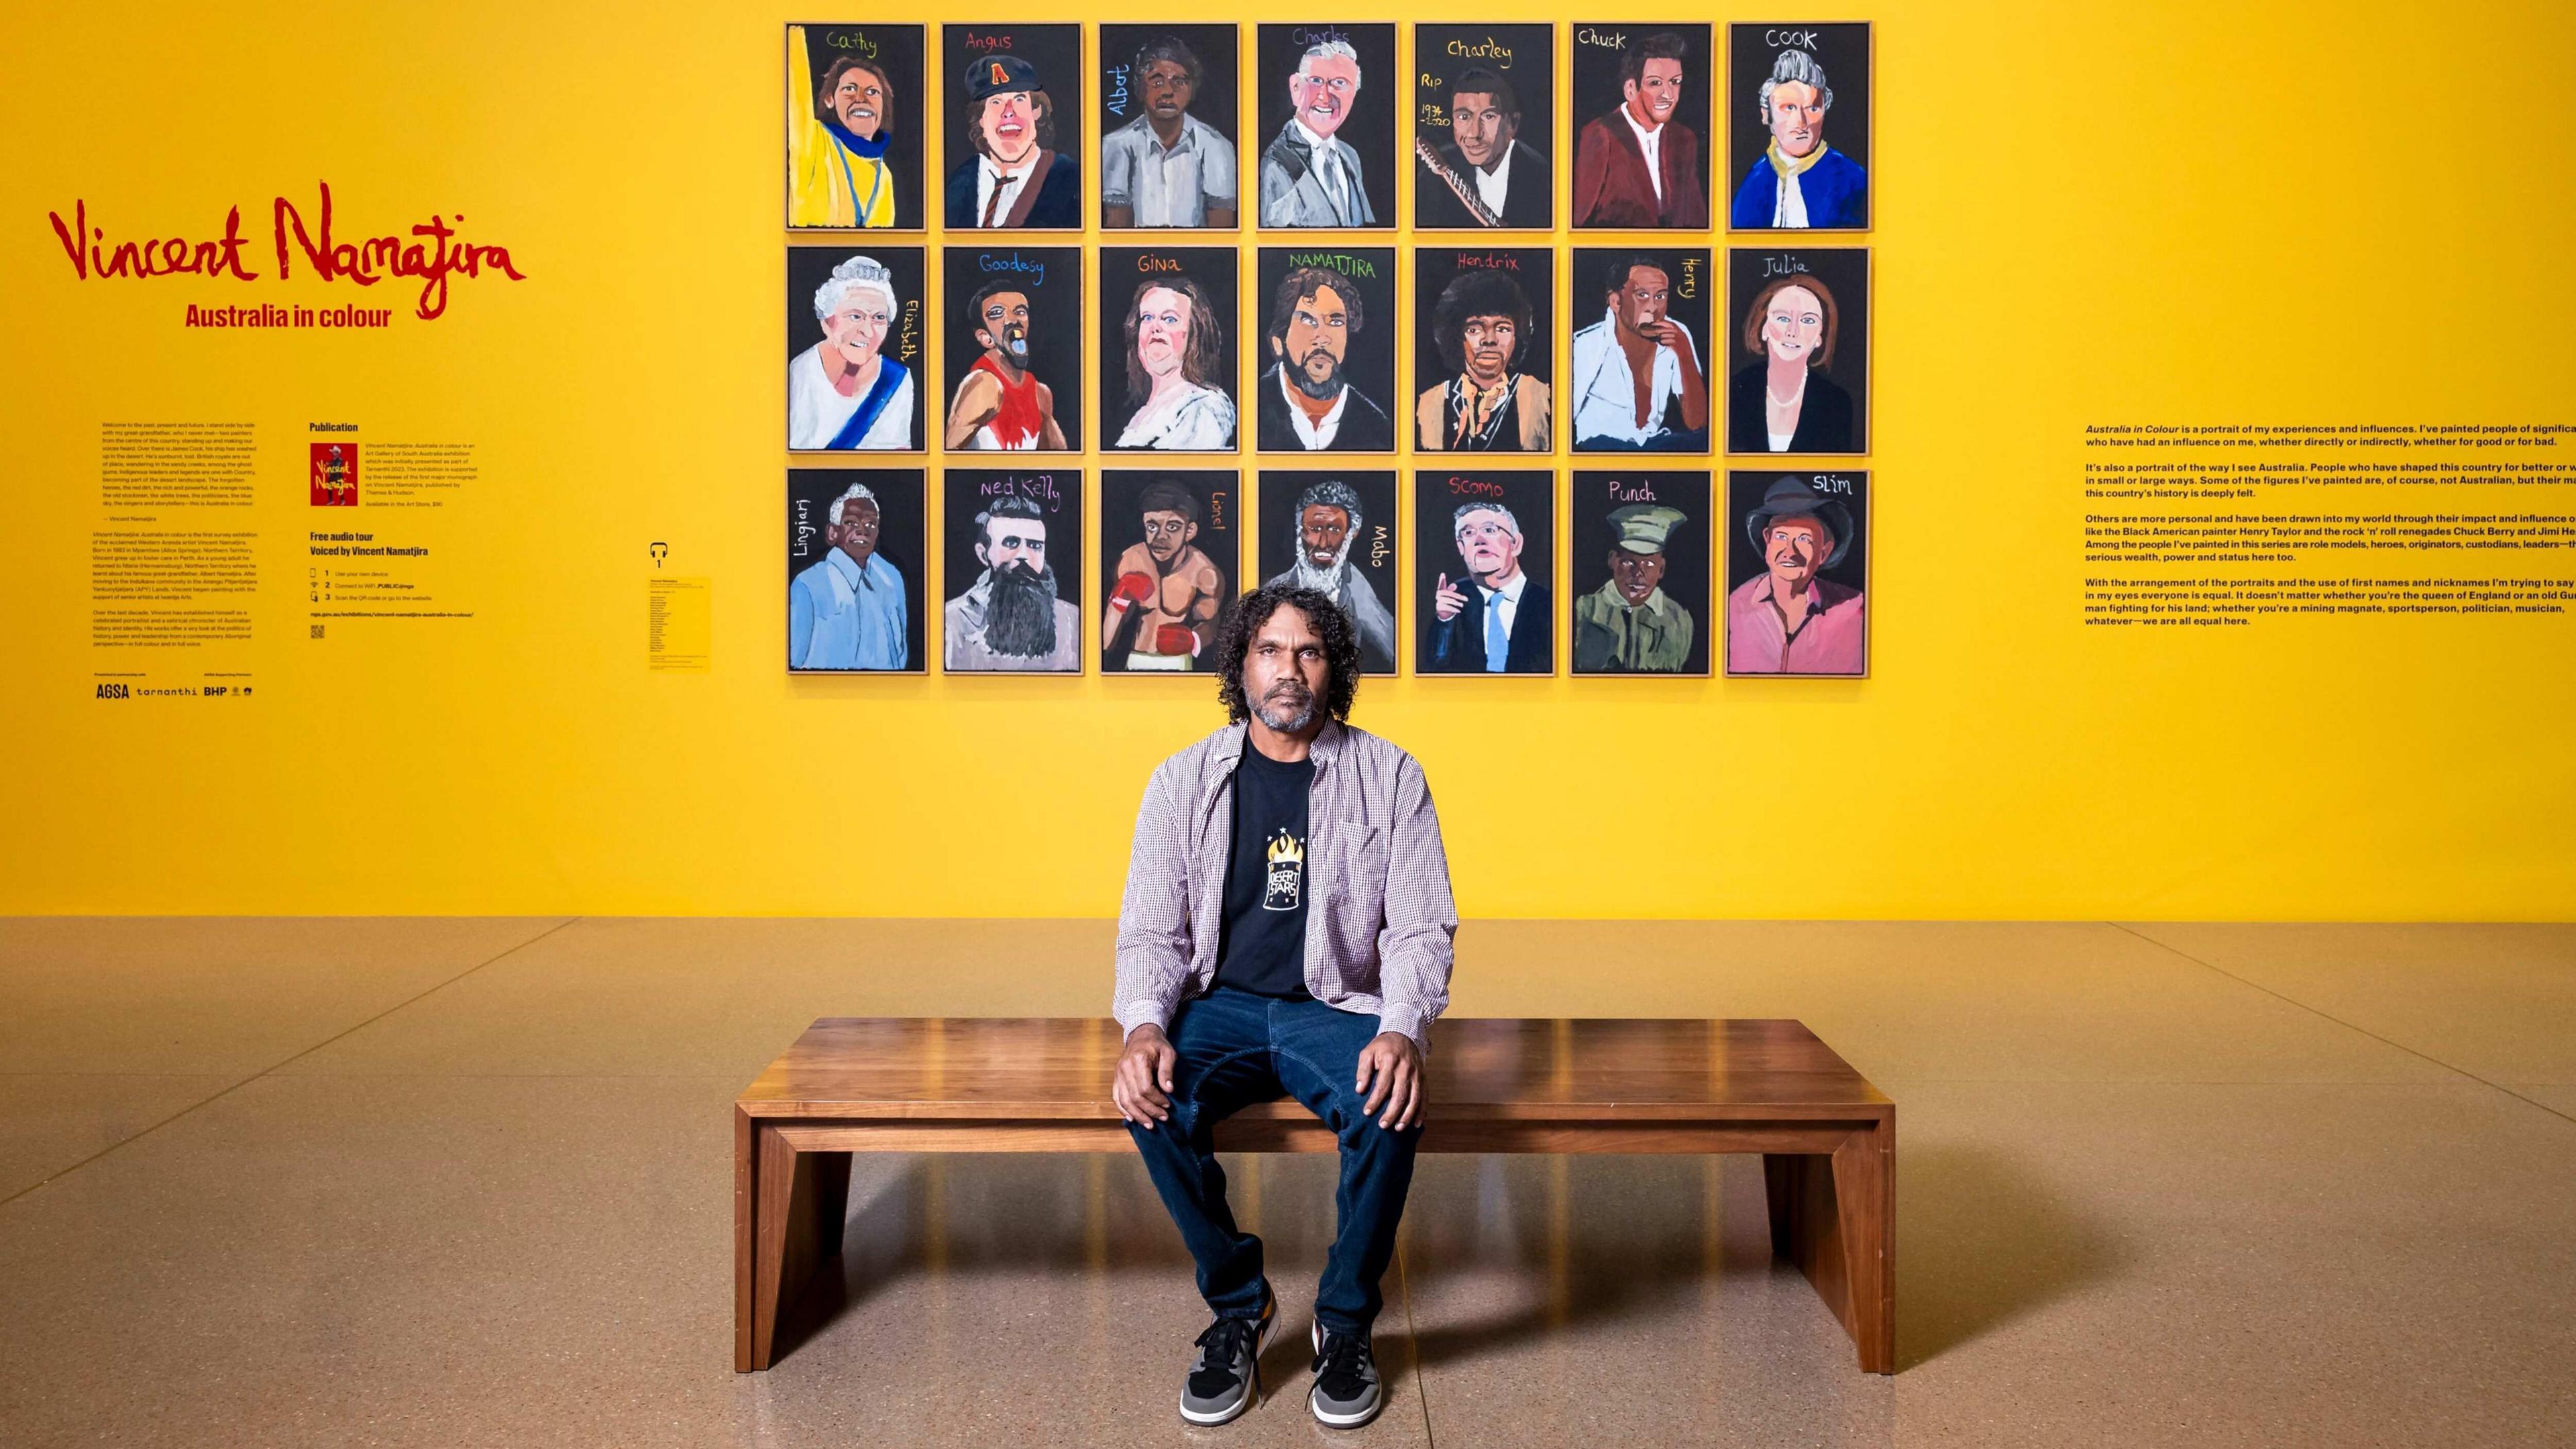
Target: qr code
{"points": [[317, 631]]}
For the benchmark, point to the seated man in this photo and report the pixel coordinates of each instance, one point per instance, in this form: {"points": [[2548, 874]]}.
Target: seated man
{"points": [[1228, 998]]}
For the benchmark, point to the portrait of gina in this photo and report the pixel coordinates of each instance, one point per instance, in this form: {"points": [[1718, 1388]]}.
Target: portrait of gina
{"points": [[1482, 327], [1784, 401], [1175, 342], [844, 392]]}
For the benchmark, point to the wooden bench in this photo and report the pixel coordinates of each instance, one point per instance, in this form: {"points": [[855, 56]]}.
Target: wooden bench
{"points": [[966, 1084]]}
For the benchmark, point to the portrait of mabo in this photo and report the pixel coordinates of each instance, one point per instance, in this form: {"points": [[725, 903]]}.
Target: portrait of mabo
{"points": [[1798, 126], [1640, 121], [1168, 152], [854, 570], [1327, 98], [1170, 567], [1167, 362], [1013, 571], [1334, 531], [1013, 349], [1014, 120], [1797, 574], [1639, 574], [1484, 127], [1483, 349], [1327, 352], [854, 125], [1799, 349], [1484, 550], [857, 340], [1637, 379]]}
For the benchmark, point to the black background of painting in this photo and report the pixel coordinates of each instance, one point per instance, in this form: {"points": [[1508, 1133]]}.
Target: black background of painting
{"points": [[808, 265], [1121, 529], [1597, 92], [1216, 47], [963, 500], [1845, 272], [1275, 523], [1433, 267], [1533, 78], [1590, 288], [1530, 493], [1744, 490], [1370, 128], [1056, 51], [1213, 269], [1843, 48], [900, 538], [899, 51], [1686, 562], [1055, 338], [1370, 363]]}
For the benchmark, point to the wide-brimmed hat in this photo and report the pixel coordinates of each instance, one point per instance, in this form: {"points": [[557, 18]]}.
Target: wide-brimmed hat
{"points": [[990, 75], [1793, 498]]}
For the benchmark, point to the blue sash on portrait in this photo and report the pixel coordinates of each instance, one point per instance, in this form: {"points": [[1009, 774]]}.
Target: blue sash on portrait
{"points": [[890, 375]]}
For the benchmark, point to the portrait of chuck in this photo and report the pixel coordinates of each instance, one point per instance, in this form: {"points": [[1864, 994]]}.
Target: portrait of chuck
{"points": [[1015, 615], [1781, 105], [1640, 573], [1486, 545], [1484, 99], [1637, 161], [1483, 378], [1306, 400], [1800, 603], [1804, 337], [1167, 589], [1329, 535], [1013, 144]]}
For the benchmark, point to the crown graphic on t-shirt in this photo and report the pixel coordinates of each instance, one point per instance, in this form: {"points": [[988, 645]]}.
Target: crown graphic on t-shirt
{"points": [[1284, 850]]}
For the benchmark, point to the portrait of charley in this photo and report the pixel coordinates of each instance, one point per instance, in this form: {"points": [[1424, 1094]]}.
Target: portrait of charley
{"points": [[1801, 180], [1012, 617], [1329, 521], [1306, 401], [1167, 167], [1165, 593], [847, 610], [1630, 625], [1485, 175], [999, 404], [1789, 618], [1636, 381], [844, 392]]}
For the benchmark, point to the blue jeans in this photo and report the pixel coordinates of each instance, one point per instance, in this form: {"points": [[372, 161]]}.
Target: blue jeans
{"points": [[1235, 1049]]}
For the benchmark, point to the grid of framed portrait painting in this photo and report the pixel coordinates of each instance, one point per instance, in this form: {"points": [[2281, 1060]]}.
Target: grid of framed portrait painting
{"points": [[1092, 328]]}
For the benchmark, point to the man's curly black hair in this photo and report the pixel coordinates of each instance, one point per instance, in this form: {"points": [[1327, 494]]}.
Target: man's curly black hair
{"points": [[1341, 647]]}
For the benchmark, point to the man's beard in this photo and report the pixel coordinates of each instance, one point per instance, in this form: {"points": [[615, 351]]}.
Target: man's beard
{"points": [[1304, 381], [1019, 615], [1287, 718], [1326, 580]]}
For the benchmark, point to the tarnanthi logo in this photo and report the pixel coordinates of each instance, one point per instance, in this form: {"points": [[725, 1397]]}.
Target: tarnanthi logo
{"points": [[434, 255]]}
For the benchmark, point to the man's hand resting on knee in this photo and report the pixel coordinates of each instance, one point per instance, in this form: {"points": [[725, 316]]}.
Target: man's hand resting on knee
{"points": [[1391, 1073], [1143, 1082]]}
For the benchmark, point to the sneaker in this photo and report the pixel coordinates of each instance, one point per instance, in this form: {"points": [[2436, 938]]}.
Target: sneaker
{"points": [[1228, 1369], [1346, 1393]]}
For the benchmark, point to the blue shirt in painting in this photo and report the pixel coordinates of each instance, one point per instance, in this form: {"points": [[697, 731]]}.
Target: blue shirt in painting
{"points": [[840, 616], [1835, 189]]}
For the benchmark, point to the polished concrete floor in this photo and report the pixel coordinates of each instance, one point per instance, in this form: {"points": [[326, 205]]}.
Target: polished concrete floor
{"points": [[456, 1182]]}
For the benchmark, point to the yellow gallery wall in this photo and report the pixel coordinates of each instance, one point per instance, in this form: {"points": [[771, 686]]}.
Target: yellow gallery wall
{"points": [[2142, 212]]}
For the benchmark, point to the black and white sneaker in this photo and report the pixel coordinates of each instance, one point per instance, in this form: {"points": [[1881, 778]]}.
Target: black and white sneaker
{"points": [[1228, 1369], [1346, 1392]]}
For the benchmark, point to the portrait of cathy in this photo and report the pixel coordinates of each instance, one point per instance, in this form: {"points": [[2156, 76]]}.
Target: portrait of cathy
{"points": [[1783, 401], [836, 147], [1175, 346], [844, 392]]}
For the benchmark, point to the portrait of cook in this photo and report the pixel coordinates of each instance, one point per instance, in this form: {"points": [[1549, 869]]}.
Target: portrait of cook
{"points": [[1328, 521], [1176, 380], [837, 171], [1016, 178], [1166, 592], [1486, 403], [844, 392], [1785, 401], [1013, 617], [1800, 181]]}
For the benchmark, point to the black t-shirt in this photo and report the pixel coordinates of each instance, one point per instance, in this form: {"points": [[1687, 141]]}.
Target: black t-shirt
{"points": [[1261, 945]]}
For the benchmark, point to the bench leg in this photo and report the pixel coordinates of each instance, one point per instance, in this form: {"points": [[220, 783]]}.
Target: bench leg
{"points": [[1835, 1217], [789, 1220]]}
